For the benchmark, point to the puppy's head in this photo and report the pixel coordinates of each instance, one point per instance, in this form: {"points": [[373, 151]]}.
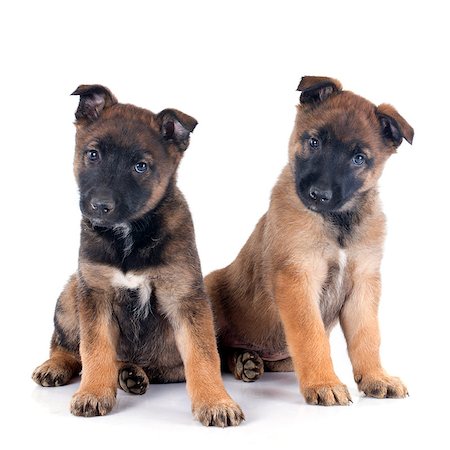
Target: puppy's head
{"points": [[125, 156], [340, 143]]}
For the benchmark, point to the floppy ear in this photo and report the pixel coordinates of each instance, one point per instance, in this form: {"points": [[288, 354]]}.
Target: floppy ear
{"points": [[93, 99], [393, 126], [176, 127], [317, 89]]}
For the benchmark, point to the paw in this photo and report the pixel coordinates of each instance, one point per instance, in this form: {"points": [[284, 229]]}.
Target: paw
{"points": [[89, 405], [50, 374], [327, 394], [249, 366], [133, 379], [224, 413], [382, 386]]}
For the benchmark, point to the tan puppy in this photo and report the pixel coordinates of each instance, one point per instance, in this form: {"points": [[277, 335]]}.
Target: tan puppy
{"points": [[314, 257]]}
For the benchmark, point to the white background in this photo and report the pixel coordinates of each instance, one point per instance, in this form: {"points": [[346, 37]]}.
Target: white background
{"points": [[235, 67]]}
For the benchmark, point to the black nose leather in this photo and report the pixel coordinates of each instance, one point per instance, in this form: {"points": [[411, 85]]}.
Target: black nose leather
{"points": [[102, 205], [320, 195]]}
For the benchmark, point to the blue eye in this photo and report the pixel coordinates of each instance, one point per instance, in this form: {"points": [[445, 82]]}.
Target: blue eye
{"points": [[359, 159], [93, 155], [141, 167]]}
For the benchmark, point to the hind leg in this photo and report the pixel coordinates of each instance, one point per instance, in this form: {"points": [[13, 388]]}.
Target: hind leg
{"points": [[64, 362], [245, 365], [163, 375], [283, 365], [58, 370], [133, 379]]}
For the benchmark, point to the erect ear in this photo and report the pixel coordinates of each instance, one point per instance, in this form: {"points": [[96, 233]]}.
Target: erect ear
{"points": [[317, 89], [176, 127], [393, 126], [94, 98]]}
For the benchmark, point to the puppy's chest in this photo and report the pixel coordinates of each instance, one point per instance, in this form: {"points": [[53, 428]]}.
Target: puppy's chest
{"points": [[134, 285], [144, 332], [334, 288]]}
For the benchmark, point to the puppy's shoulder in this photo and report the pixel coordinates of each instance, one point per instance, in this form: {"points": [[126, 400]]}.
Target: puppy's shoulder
{"points": [[175, 213]]}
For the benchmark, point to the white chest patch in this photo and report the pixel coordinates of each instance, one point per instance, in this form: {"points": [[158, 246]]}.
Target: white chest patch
{"points": [[134, 281], [342, 261]]}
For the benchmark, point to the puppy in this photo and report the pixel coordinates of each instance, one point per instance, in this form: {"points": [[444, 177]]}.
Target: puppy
{"points": [[136, 311], [314, 257]]}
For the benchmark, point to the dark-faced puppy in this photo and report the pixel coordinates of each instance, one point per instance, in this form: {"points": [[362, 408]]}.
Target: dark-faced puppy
{"points": [[136, 311], [314, 257]]}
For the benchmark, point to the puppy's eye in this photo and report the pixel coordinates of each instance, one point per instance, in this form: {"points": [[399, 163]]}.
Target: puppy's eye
{"points": [[314, 143], [358, 159], [93, 155], [141, 167]]}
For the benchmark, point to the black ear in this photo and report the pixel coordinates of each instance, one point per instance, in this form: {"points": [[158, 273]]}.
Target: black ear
{"points": [[176, 127], [93, 99], [393, 126], [317, 89]]}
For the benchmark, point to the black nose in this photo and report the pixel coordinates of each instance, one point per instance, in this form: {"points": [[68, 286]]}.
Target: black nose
{"points": [[320, 195], [102, 205]]}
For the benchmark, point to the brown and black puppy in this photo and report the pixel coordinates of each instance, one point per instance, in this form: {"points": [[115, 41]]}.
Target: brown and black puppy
{"points": [[136, 311], [314, 257]]}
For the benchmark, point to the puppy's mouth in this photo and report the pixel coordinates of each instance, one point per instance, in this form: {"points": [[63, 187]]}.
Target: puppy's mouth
{"points": [[320, 210], [105, 221], [324, 208], [101, 223], [312, 208]]}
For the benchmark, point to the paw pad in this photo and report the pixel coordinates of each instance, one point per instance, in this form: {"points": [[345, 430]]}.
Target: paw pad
{"points": [[249, 366], [132, 379]]}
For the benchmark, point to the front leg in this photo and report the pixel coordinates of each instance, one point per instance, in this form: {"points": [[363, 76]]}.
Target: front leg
{"points": [[97, 393], [192, 321], [297, 296], [359, 321]]}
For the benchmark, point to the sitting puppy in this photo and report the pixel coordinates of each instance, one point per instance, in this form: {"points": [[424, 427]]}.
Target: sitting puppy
{"points": [[314, 257], [136, 311]]}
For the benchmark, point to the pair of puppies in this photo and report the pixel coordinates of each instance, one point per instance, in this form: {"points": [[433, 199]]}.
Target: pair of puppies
{"points": [[137, 310]]}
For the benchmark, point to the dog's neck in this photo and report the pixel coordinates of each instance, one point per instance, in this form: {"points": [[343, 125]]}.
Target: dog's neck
{"points": [[126, 242], [344, 224], [124, 233], [126, 237]]}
